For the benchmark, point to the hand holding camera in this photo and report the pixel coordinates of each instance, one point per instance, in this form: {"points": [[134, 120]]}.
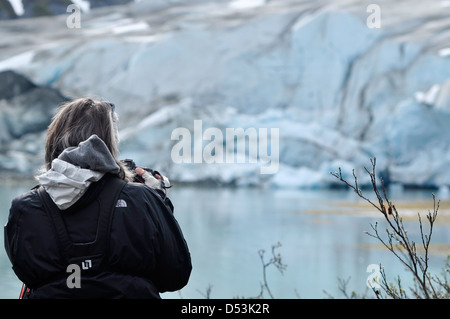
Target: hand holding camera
{"points": [[154, 179], [149, 177]]}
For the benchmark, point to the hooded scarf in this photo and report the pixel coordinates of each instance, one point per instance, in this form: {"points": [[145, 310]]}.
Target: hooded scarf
{"points": [[75, 169]]}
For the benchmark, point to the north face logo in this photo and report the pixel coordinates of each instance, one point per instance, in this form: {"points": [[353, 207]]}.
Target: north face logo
{"points": [[121, 203]]}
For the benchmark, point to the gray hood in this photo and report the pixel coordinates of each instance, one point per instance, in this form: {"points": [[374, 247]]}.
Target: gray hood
{"points": [[75, 169]]}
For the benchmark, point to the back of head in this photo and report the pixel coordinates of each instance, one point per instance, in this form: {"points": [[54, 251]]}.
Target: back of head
{"points": [[76, 121]]}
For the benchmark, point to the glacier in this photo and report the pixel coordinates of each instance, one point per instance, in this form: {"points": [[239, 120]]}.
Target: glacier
{"points": [[339, 91]]}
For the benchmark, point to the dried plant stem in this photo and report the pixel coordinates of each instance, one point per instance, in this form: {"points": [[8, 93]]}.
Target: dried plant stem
{"points": [[396, 239]]}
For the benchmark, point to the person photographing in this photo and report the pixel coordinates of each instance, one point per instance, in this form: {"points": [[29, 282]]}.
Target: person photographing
{"points": [[87, 212]]}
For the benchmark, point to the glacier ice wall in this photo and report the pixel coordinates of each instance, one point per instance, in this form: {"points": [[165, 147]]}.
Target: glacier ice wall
{"points": [[339, 91]]}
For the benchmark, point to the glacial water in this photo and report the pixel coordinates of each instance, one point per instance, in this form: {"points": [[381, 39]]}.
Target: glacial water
{"points": [[322, 241]]}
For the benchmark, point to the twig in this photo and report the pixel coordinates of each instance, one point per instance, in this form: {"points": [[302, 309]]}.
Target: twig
{"points": [[404, 249], [274, 261]]}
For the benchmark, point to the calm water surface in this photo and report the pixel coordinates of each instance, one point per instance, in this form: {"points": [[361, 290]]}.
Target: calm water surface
{"points": [[226, 227]]}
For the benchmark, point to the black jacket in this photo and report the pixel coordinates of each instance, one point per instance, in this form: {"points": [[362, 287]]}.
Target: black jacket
{"points": [[145, 254]]}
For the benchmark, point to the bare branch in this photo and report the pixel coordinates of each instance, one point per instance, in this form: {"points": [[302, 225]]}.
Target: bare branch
{"points": [[403, 248]]}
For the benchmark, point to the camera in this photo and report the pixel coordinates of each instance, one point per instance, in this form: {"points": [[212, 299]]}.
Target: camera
{"points": [[161, 188], [132, 166]]}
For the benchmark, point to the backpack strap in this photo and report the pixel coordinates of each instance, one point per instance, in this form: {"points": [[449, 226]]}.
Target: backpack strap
{"points": [[89, 256]]}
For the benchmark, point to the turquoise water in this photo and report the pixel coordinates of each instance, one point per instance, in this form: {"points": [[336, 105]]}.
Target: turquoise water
{"points": [[225, 228]]}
